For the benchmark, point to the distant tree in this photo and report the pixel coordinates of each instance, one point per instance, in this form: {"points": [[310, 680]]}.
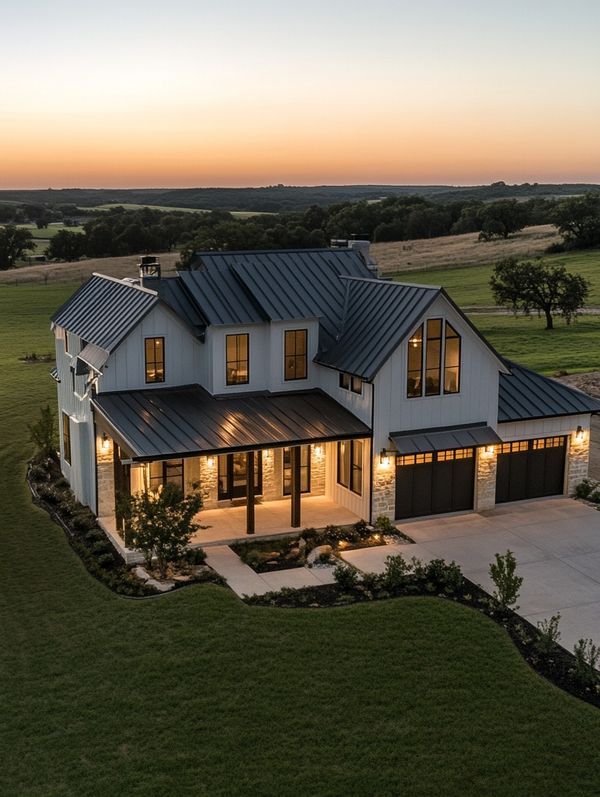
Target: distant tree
{"points": [[66, 245], [549, 290], [501, 218], [14, 242], [578, 221]]}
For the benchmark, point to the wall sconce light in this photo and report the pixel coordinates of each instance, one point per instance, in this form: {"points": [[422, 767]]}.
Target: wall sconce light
{"points": [[384, 458], [319, 451], [579, 434], [268, 453], [210, 461], [105, 442], [489, 450]]}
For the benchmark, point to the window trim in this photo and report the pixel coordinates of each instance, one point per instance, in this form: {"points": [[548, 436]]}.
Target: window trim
{"points": [[445, 367], [354, 464], [422, 328], [236, 335], [306, 467], [295, 356], [66, 438], [441, 355], [166, 464], [146, 361], [350, 379]]}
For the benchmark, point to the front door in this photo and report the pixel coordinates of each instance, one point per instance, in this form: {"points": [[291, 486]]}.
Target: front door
{"points": [[232, 475]]}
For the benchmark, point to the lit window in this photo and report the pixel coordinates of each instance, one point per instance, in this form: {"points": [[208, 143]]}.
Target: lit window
{"points": [[237, 365], [451, 360], [304, 470], [431, 345], [166, 472], [415, 364], [295, 356], [66, 437], [433, 357], [352, 383], [349, 471], [155, 360]]}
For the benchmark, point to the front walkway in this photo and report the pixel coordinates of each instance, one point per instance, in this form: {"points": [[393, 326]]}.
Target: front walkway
{"points": [[556, 542]]}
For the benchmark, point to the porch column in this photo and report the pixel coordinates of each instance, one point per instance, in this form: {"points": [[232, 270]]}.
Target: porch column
{"points": [[296, 486], [250, 492]]}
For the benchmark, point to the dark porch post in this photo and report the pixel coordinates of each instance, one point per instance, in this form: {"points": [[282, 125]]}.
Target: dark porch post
{"points": [[296, 486], [250, 492]]}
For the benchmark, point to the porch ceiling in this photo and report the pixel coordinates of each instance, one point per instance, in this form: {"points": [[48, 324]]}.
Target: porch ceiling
{"points": [[188, 421]]}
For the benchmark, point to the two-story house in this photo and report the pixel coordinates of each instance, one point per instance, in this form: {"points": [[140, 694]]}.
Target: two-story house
{"points": [[295, 375]]}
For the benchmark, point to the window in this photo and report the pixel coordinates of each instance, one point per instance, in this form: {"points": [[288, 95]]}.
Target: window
{"points": [[168, 471], [66, 342], [414, 459], [415, 364], [304, 470], [514, 448], [295, 356], [352, 383], [451, 360], [155, 360], [457, 453], [350, 455], [66, 437], [549, 442], [237, 371], [431, 345]]}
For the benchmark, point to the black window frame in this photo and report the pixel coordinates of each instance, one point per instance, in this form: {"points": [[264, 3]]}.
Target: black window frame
{"points": [[229, 364], [435, 371], [354, 454], [417, 373], [159, 372], [420, 374], [294, 356], [455, 336], [304, 469], [354, 384], [167, 466], [66, 438]]}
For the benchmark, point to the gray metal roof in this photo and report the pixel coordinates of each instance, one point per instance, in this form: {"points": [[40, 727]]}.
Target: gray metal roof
{"points": [[446, 437], [525, 395], [378, 317], [173, 293], [94, 356], [175, 422], [104, 310], [253, 287]]}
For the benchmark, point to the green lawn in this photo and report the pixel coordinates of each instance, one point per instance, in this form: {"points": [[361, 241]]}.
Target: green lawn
{"points": [[240, 214], [470, 286], [50, 231], [196, 693]]}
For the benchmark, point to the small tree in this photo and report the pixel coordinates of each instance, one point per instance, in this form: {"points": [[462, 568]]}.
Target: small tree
{"points": [[507, 583], [161, 525], [587, 655], [550, 290], [14, 242], [548, 634], [43, 434]]}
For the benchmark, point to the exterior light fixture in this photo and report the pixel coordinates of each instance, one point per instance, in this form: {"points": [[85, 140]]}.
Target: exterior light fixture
{"points": [[489, 450], [579, 434], [384, 458], [210, 461], [105, 442], [319, 450]]}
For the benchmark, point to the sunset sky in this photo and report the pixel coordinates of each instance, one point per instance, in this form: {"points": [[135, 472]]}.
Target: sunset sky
{"points": [[196, 93]]}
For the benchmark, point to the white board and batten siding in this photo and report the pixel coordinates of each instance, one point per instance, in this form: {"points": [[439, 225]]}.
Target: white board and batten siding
{"points": [[186, 360], [358, 404], [543, 427], [358, 504], [477, 400]]}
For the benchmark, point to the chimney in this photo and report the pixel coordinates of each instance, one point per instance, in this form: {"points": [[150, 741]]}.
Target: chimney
{"points": [[149, 267], [363, 249]]}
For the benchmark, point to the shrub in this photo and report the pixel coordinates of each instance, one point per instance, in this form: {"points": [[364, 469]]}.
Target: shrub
{"points": [[49, 494], [372, 581], [83, 521], [584, 488], [362, 530], [384, 525], [37, 473], [548, 635], [43, 434], [195, 556], [396, 573], [345, 577], [586, 655], [594, 496], [507, 583], [447, 576]]}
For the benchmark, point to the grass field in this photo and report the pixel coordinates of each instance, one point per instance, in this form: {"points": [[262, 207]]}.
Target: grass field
{"points": [[470, 286], [196, 693], [239, 214]]}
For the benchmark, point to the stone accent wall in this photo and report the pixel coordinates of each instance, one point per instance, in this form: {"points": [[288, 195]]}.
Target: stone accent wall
{"points": [[317, 470], [106, 480], [485, 479], [384, 489], [209, 479], [271, 474], [578, 458]]}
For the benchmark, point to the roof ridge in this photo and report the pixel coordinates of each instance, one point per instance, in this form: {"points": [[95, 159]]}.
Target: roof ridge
{"points": [[124, 282]]}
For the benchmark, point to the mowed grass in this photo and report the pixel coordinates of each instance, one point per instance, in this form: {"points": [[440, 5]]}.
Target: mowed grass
{"points": [[196, 693], [239, 214], [470, 286]]}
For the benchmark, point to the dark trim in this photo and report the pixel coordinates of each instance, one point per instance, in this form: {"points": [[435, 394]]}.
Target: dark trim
{"points": [[286, 355], [371, 468], [556, 415], [164, 360], [296, 487], [95, 462], [238, 335], [250, 492]]}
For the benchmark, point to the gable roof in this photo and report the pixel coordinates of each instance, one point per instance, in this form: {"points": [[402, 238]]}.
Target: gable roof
{"points": [[253, 287], [104, 310], [525, 395], [378, 316]]}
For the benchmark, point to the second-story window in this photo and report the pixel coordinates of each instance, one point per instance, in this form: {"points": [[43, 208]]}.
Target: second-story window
{"points": [[433, 357], [237, 371], [155, 359], [433, 360], [66, 436], [352, 383], [295, 356]]}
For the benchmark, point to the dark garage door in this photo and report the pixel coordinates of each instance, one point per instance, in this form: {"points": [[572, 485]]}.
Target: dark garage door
{"points": [[530, 469], [429, 484]]}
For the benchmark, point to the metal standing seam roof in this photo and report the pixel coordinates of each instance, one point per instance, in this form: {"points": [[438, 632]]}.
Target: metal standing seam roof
{"points": [[446, 437], [379, 316], [104, 310], [93, 356], [525, 395], [174, 294], [188, 421]]}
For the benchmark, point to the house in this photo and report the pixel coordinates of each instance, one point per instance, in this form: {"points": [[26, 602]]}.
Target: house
{"points": [[296, 388]]}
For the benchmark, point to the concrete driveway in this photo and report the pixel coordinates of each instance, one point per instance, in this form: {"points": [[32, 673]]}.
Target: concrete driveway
{"points": [[557, 545]]}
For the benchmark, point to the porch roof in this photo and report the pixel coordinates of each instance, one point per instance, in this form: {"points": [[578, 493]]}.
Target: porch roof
{"points": [[188, 421]]}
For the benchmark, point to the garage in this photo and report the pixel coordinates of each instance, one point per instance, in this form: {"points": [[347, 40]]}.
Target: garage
{"points": [[530, 468], [435, 482]]}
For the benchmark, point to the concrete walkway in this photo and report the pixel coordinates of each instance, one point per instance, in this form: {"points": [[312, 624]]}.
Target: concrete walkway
{"points": [[244, 581], [557, 545]]}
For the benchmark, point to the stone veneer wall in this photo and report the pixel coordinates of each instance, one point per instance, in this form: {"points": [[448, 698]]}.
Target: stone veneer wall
{"points": [[485, 479], [578, 458], [209, 480], [317, 470], [384, 489], [106, 478]]}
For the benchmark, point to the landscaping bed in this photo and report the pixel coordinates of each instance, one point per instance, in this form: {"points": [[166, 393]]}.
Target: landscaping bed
{"points": [[575, 673], [50, 491], [316, 546]]}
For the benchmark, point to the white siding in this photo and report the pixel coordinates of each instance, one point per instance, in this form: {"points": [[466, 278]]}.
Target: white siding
{"points": [[359, 504], [544, 427], [359, 405]]}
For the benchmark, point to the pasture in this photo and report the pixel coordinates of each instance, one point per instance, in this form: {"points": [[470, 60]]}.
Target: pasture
{"points": [[238, 214]]}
